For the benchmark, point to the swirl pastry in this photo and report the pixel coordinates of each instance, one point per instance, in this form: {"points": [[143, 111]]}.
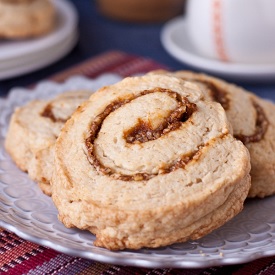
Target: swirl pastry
{"points": [[26, 18], [253, 122], [33, 131], [147, 162]]}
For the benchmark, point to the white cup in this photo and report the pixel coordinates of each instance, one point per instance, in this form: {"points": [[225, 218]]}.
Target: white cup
{"points": [[241, 31]]}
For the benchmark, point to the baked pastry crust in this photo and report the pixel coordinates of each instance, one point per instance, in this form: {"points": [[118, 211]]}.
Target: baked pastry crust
{"points": [[33, 131], [21, 19], [148, 162], [253, 122]]}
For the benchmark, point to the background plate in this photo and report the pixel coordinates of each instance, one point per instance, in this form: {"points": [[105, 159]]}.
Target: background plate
{"points": [[17, 57], [37, 61], [26, 211]]}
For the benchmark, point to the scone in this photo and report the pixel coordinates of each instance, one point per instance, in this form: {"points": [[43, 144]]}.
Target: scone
{"points": [[253, 122], [33, 131], [26, 18], [147, 162]]}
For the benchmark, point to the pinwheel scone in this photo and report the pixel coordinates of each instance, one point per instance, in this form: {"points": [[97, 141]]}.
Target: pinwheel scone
{"points": [[26, 18], [148, 162], [33, 131], [253, 122]]}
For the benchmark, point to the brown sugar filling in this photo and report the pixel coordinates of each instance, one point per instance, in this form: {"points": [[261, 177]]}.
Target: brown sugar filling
{"points": [[220, 96], [217, 94], [47, 112], [261, 126], [144, 132]]}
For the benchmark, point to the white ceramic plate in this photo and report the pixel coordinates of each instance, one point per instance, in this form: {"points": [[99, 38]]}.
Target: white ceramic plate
{"points": [[17, 55], [26, 211], [39, 55], [174, 37], [42, 59]]}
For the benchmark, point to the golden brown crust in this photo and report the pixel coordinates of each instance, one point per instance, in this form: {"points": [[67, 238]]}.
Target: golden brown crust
{"points": [[167, 206], [32, 134]]}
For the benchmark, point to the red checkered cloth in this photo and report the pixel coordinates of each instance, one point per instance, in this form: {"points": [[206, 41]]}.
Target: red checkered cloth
{"points": [[18, 256]]}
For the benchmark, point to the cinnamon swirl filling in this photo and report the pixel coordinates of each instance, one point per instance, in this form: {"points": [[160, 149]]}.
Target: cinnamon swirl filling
{"points": [[48, 112], [221, 96], [143, 131], [261, 126]]}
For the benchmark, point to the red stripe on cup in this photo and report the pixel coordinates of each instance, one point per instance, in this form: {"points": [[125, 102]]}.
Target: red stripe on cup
{"points": [[218, 30]]}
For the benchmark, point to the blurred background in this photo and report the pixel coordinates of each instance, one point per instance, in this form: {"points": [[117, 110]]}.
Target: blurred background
{"points": [[98, 34], [116, 25]]}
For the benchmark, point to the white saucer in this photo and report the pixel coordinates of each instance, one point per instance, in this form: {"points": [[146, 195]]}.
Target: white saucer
{"points": [[20, 57], [175, 40]]}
